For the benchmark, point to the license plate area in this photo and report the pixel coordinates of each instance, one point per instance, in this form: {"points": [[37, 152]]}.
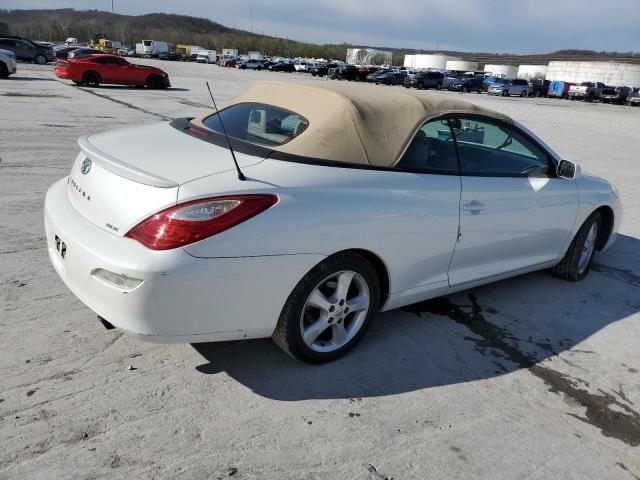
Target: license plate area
{"points": [[61, 247]]}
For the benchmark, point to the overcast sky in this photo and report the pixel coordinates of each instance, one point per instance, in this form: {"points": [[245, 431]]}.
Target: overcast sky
{"points": [[505, 26]]}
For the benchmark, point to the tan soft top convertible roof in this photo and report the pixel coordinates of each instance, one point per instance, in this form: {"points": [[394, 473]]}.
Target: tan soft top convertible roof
{"points": [[355, 123]]}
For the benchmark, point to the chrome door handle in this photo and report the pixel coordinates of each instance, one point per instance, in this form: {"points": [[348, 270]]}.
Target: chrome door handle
{"points": [[474, 207]]}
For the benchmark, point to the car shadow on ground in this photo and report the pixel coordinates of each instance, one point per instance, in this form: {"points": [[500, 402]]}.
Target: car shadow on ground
{"points": [[478, 334], [30, 79], [133, 87]]}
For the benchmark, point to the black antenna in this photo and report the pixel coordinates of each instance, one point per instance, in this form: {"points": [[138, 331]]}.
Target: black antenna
{"points": [[224, 130]]}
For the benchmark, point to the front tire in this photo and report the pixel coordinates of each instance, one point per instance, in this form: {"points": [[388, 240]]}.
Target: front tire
{"points": [[153, 82], [577, 261], [329, 310], [4, 71]]}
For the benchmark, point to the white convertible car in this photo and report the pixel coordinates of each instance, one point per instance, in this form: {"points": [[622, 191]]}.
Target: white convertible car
{"points": [[355, 201]]}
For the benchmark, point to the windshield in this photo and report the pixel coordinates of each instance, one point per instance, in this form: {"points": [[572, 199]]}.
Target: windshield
{"points": [[258, 123]]}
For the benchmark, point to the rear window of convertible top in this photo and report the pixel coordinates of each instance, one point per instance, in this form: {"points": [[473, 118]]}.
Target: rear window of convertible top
{"points": [[258, 123]]}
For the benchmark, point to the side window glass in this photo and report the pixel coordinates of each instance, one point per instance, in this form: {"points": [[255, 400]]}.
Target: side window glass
{"points": [[490, 148], [432, 150]]}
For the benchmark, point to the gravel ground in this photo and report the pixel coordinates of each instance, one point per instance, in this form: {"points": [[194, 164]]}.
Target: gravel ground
{"points": [[526, 378]]}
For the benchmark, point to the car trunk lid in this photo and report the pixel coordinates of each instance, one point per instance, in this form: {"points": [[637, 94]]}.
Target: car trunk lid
{"points": [[122, 177]]}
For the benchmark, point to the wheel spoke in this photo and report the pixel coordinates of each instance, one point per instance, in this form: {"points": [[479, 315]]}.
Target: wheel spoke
{"points": [[316, 328], [344, 282], [317, 299], [358, 303], [322, 320], [339, 335]]}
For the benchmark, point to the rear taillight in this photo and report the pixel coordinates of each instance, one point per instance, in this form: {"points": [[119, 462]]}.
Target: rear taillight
{"points": [[194, 221]]}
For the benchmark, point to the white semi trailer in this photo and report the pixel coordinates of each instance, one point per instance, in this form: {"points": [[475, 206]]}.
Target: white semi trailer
{"points": [[153, 48]]}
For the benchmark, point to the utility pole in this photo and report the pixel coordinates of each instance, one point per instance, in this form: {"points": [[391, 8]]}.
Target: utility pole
{"points": [[111, 6]]}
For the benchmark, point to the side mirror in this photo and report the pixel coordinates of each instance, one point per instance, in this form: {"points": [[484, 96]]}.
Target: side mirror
{"points": [[566, 169]]}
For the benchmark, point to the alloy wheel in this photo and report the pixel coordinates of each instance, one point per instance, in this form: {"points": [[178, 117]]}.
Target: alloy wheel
{"points": [[588, 248], [335, 311]]}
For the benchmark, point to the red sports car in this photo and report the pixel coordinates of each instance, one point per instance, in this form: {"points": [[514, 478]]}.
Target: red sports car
{"points": [[102, 68]]}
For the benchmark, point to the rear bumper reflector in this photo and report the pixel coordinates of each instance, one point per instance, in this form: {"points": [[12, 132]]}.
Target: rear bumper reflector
{"points": [[121, 282]]}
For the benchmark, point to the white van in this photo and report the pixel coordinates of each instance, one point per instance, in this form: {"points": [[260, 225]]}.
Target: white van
{"points": [[206, 56]]}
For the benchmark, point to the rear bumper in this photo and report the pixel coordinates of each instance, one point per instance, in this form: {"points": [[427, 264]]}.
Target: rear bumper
{"points": [[62, 73], [181, 298]]}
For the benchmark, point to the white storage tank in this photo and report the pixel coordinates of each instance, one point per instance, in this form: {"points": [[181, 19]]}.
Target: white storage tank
{"points": [[504, 71], [435, 62], [532, 72], [461, 66], [611, 73]]}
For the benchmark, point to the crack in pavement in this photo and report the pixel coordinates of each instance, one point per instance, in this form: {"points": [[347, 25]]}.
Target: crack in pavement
{"points": [[107, 97], [126, 104], [623, 423]]}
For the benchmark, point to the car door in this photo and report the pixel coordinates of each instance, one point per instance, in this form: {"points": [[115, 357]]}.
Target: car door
{"points": [[122, 71], [429, 237], [102, 65], [514, 212], [24, 50]]}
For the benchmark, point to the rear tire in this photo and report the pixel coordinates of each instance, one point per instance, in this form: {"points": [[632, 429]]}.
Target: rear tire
{"points": [[4, 71], [40, 59], [523, 93], [91, 79], [577, 261], [337, 330], [438, 86]]}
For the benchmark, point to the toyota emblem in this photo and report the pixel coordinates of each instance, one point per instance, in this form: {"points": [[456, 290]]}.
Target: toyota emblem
{"points": [[86, 166]]}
